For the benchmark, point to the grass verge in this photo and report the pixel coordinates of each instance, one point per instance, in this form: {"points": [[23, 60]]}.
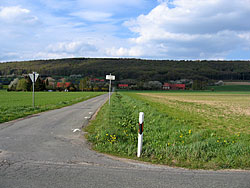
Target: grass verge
{"points": [[168, 139]]}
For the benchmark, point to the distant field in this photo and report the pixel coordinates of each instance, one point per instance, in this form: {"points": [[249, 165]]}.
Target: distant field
{"points": [[237, 83], [14, 105], [209, 130], [230, 88]]}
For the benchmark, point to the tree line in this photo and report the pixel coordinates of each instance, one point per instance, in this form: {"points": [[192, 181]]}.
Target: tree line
{"points": [[85, 84], [137, 69]]}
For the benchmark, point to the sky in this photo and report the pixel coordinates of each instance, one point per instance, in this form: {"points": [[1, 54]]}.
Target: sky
{"points": [[147, 29]]}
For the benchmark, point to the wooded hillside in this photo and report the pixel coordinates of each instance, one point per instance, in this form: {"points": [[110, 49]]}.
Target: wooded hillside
{"points": [[143, 70]]}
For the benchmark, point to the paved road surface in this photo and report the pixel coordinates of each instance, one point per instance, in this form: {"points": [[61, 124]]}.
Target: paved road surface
{"points": [[42, 151]]}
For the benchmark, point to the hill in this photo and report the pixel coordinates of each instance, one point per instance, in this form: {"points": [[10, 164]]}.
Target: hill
{"points": [[141, 70]]}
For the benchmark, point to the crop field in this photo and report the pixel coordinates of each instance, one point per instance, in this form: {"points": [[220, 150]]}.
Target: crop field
{"points": [[207, 130], [15, 105]]}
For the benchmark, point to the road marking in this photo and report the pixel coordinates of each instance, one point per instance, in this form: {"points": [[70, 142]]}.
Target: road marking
{"points": [[75, 130]]}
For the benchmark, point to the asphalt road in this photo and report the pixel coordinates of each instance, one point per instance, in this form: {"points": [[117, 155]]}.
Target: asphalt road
{"points": [[43, 151]]}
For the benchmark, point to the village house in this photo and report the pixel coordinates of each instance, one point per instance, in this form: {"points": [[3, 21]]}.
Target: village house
{"points": [[168, 86], [123, 86]]}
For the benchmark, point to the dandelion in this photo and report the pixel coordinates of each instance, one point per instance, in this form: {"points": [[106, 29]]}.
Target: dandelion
{"points": [[190, 131], [225, 141], [218, 141], [107, 134], [181, 136]]}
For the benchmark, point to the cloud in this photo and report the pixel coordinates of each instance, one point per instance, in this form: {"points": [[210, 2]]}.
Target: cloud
{"points": [[75, 47], [16, 14], [191, 29], [124, 52]]}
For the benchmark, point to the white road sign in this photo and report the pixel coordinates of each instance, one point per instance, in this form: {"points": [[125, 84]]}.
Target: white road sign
{"points": [[110, 77], [32, 77]]}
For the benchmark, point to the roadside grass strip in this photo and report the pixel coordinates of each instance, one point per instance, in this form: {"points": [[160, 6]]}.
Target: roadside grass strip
{"points": [[14, 105], [168, 138]]}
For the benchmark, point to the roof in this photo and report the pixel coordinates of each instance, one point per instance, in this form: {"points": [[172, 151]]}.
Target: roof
{"points": [[61, 84], [122, 85]]}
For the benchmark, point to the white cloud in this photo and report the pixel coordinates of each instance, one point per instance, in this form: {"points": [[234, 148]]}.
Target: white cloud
{"points": [[125, 52], [75, 47], [16, 14], [191, 29]]}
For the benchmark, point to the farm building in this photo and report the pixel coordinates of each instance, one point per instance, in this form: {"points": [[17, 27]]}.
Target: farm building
{"points": [[168, 86], [63, 84], [123, 86]]}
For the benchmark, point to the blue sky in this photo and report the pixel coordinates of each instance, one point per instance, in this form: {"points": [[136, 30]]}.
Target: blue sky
{"points": [[152, 29]]}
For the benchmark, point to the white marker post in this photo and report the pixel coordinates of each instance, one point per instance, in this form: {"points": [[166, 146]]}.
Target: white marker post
{"points": [[140, 133], [33, 78], [110, 77]]}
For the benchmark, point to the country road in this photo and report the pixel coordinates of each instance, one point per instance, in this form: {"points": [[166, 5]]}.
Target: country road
{"points": [[43, 151]]}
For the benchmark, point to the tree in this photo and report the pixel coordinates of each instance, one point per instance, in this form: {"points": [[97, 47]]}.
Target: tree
{"points": [[22, 85], [39, 85], [84, 84], [153, 85], [13, 84]]}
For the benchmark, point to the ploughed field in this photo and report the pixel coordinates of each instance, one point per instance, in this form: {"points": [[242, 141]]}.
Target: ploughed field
{"points": [[15, 105], [209, 130]]}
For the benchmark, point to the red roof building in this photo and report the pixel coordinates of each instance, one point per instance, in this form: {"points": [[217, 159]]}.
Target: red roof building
{"points": [[123, 85], [63, 84], [168, 86]]}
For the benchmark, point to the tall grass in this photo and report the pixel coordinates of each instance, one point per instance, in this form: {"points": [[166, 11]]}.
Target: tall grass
{"points": [[167, 139]]}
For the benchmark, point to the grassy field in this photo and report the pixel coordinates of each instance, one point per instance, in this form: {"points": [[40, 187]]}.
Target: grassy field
{"points": [[230, 88], [15, 105], [207, 130]]}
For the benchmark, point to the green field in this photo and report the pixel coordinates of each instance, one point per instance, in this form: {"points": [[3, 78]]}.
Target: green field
{"points": [[15, 105], [230, 88], [208, 130]]}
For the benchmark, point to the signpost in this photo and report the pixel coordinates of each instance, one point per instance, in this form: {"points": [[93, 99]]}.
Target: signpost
{"points": [[33, 78], [110, 77]]}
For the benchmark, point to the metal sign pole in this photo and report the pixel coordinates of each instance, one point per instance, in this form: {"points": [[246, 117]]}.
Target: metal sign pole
{"points": [[110, 77], [34, 90], [109, 88], [33, 78]]}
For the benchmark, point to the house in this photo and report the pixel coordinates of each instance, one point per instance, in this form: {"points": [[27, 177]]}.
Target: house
{"points": [[97, 80], [168, 86], [123, 86], [63, 84]]}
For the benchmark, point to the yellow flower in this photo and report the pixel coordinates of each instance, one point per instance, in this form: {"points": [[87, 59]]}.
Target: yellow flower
{"points": [[233, 141], [168, 144], [190, 131], [225, 141], [183, 142], [181, 136], [107, 134], [218, 141]]}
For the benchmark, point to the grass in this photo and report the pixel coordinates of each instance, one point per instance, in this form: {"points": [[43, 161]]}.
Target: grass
{"points": [[230, 88], [15, 105], [205, 130]]}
